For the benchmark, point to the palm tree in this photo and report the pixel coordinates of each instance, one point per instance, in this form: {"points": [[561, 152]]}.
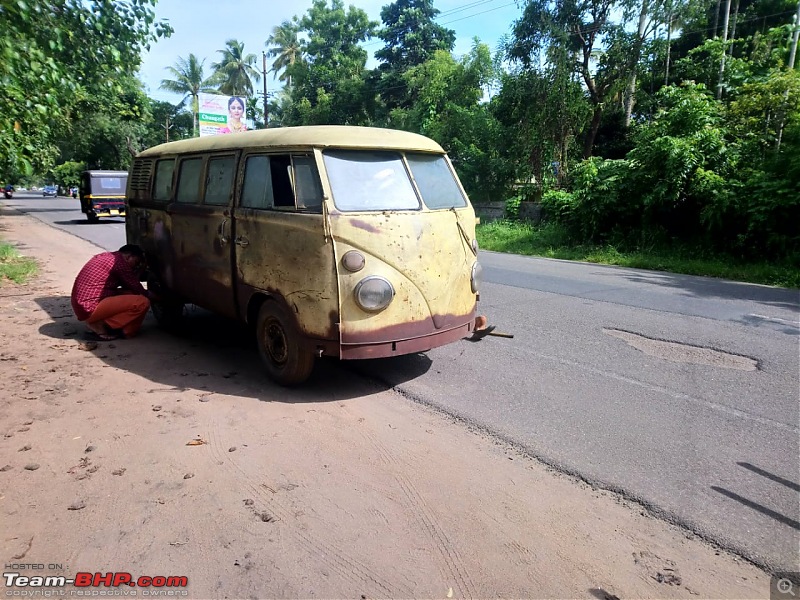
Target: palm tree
{"points": [[189, 81], [285, 48], [235, 71]]}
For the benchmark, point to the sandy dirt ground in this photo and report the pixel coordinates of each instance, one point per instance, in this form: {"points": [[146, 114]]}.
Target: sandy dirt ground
{"points": [[175, 456]]}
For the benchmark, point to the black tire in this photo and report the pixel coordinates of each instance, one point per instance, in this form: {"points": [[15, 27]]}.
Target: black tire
{"points": [[168, 310], [288, 358]]}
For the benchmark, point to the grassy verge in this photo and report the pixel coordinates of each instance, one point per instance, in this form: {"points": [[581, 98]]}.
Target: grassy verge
{"points": [[551, 241], [14, 267]]}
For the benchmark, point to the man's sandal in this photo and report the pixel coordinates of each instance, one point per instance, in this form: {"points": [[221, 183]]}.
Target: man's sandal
{"points": [[100, 337]]}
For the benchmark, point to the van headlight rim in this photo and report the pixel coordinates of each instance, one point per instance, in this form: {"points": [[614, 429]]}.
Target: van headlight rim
{"points": [[374, 293], [475, 277]]}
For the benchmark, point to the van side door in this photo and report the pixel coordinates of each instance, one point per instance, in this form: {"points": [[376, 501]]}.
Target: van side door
{"points": [[281, 249], [201, 231]]}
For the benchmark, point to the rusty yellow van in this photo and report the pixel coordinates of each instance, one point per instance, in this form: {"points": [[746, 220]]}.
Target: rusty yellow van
{"points": [[351, 242]]}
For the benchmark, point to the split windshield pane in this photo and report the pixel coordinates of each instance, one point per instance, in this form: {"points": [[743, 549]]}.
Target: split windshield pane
{"points": [[364, 181]]}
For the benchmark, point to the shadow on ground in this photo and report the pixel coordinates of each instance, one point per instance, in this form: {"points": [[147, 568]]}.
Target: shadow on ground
{"points": [[213, 355]]}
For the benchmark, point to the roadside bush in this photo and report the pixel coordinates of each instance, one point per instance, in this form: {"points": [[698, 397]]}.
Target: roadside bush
{"points": [[600, 207], [512, 207]]}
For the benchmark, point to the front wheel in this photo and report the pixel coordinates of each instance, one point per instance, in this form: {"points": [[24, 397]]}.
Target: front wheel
{"points": [[288, 359]]}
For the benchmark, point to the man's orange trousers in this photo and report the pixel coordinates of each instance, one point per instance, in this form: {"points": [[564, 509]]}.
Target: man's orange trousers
{"points": [[125, 312]]}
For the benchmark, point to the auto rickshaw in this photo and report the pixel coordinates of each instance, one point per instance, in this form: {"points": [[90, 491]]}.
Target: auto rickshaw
{"points": [[102, 194]]}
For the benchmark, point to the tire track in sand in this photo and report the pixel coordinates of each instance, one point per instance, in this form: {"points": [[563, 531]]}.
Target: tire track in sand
{"points": [[348, 567]]}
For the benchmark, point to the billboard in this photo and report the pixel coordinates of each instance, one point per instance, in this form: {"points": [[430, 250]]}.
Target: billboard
{"points": [[221, 114]]}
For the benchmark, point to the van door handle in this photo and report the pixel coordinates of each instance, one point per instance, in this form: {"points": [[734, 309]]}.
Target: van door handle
{"points": [[242, 241], [222, 237]]}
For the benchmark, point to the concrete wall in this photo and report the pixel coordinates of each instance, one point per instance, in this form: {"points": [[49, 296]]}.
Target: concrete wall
{"points": [[493, 211]]}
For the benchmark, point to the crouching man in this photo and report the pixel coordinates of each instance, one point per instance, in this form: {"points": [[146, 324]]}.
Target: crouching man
{"points": [[108, 296]]}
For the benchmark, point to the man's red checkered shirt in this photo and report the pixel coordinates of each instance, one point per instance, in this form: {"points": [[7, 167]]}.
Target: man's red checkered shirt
{"points": [[100, 278]]}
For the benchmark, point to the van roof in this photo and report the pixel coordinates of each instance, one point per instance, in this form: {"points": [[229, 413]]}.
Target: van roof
{"points": [[318, 136]]}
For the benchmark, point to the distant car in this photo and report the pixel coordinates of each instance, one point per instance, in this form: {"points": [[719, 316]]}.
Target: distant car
{"points": [[50, 190]]}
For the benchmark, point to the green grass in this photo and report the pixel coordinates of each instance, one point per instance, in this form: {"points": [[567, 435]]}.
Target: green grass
{"points": [[551, 240], [13, 266]]}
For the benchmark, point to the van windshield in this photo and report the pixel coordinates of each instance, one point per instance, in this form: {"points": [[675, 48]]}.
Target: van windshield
{"points": [[435, 181], [365, 180]]}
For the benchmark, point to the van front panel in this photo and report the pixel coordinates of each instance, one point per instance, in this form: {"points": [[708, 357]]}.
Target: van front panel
{"points": [[427, 260]]}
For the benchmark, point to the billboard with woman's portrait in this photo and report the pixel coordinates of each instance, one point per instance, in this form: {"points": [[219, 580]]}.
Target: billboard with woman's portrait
{"points": [[221, 114]]}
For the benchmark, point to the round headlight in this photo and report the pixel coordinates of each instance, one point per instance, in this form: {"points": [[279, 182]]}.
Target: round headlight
{"points": [[374, 293], [353, 261], [475, 279]]}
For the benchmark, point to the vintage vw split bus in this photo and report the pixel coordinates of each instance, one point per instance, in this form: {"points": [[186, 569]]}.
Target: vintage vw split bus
{"points": [[351, 242]]}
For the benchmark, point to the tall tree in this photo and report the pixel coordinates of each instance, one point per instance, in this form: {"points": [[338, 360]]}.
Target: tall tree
{"points": [[284, 46], [412, 37], [546, 30], [188, 80], [170, 122], [329, 86], [54, 54], [235, 71], [107, 126]]}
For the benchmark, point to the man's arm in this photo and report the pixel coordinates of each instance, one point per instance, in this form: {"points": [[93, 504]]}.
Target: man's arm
{"points": [[129, 279]]}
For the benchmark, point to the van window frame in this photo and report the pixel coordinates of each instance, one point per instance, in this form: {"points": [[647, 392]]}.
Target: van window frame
{"points": [[182, 160], [169, 198], [308, 154], [206, 166]]}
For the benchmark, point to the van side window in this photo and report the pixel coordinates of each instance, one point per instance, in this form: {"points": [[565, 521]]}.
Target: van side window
{"points": [[189, 181], [307, 186], [257, 188], [281, 170], [162, 188], [219, 180]]}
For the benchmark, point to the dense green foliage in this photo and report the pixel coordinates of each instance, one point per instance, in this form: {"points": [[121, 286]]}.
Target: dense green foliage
{"points": [[60, 58]]}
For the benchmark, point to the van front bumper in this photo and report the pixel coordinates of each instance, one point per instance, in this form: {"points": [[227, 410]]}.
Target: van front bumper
{"points": [[409, 346]]}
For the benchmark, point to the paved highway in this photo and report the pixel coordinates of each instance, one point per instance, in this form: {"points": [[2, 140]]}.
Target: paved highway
{"points": [[680, 393]]}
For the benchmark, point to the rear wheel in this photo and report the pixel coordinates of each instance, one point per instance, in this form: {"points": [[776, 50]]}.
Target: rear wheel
{"points": [[288, 358], [167, 309]]}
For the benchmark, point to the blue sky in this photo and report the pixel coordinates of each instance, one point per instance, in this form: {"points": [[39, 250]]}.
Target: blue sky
{"points": [[202, 27]]}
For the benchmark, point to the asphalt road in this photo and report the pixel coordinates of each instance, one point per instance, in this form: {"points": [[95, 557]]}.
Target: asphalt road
{"points": [[681, 393]]}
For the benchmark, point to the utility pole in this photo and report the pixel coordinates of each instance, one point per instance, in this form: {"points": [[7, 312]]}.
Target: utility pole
{"points": [[266, 118], [167, 128], [795, 37], [720, 84]]}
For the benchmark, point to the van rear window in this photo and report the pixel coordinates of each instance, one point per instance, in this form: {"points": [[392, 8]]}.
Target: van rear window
{"points": [[365, 181]]}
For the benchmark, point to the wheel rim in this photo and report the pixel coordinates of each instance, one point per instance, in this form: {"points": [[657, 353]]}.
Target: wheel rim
{"points": [[275, 342]]}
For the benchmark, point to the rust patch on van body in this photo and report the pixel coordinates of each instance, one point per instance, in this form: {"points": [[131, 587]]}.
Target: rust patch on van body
{"points": [[359, 224]]}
